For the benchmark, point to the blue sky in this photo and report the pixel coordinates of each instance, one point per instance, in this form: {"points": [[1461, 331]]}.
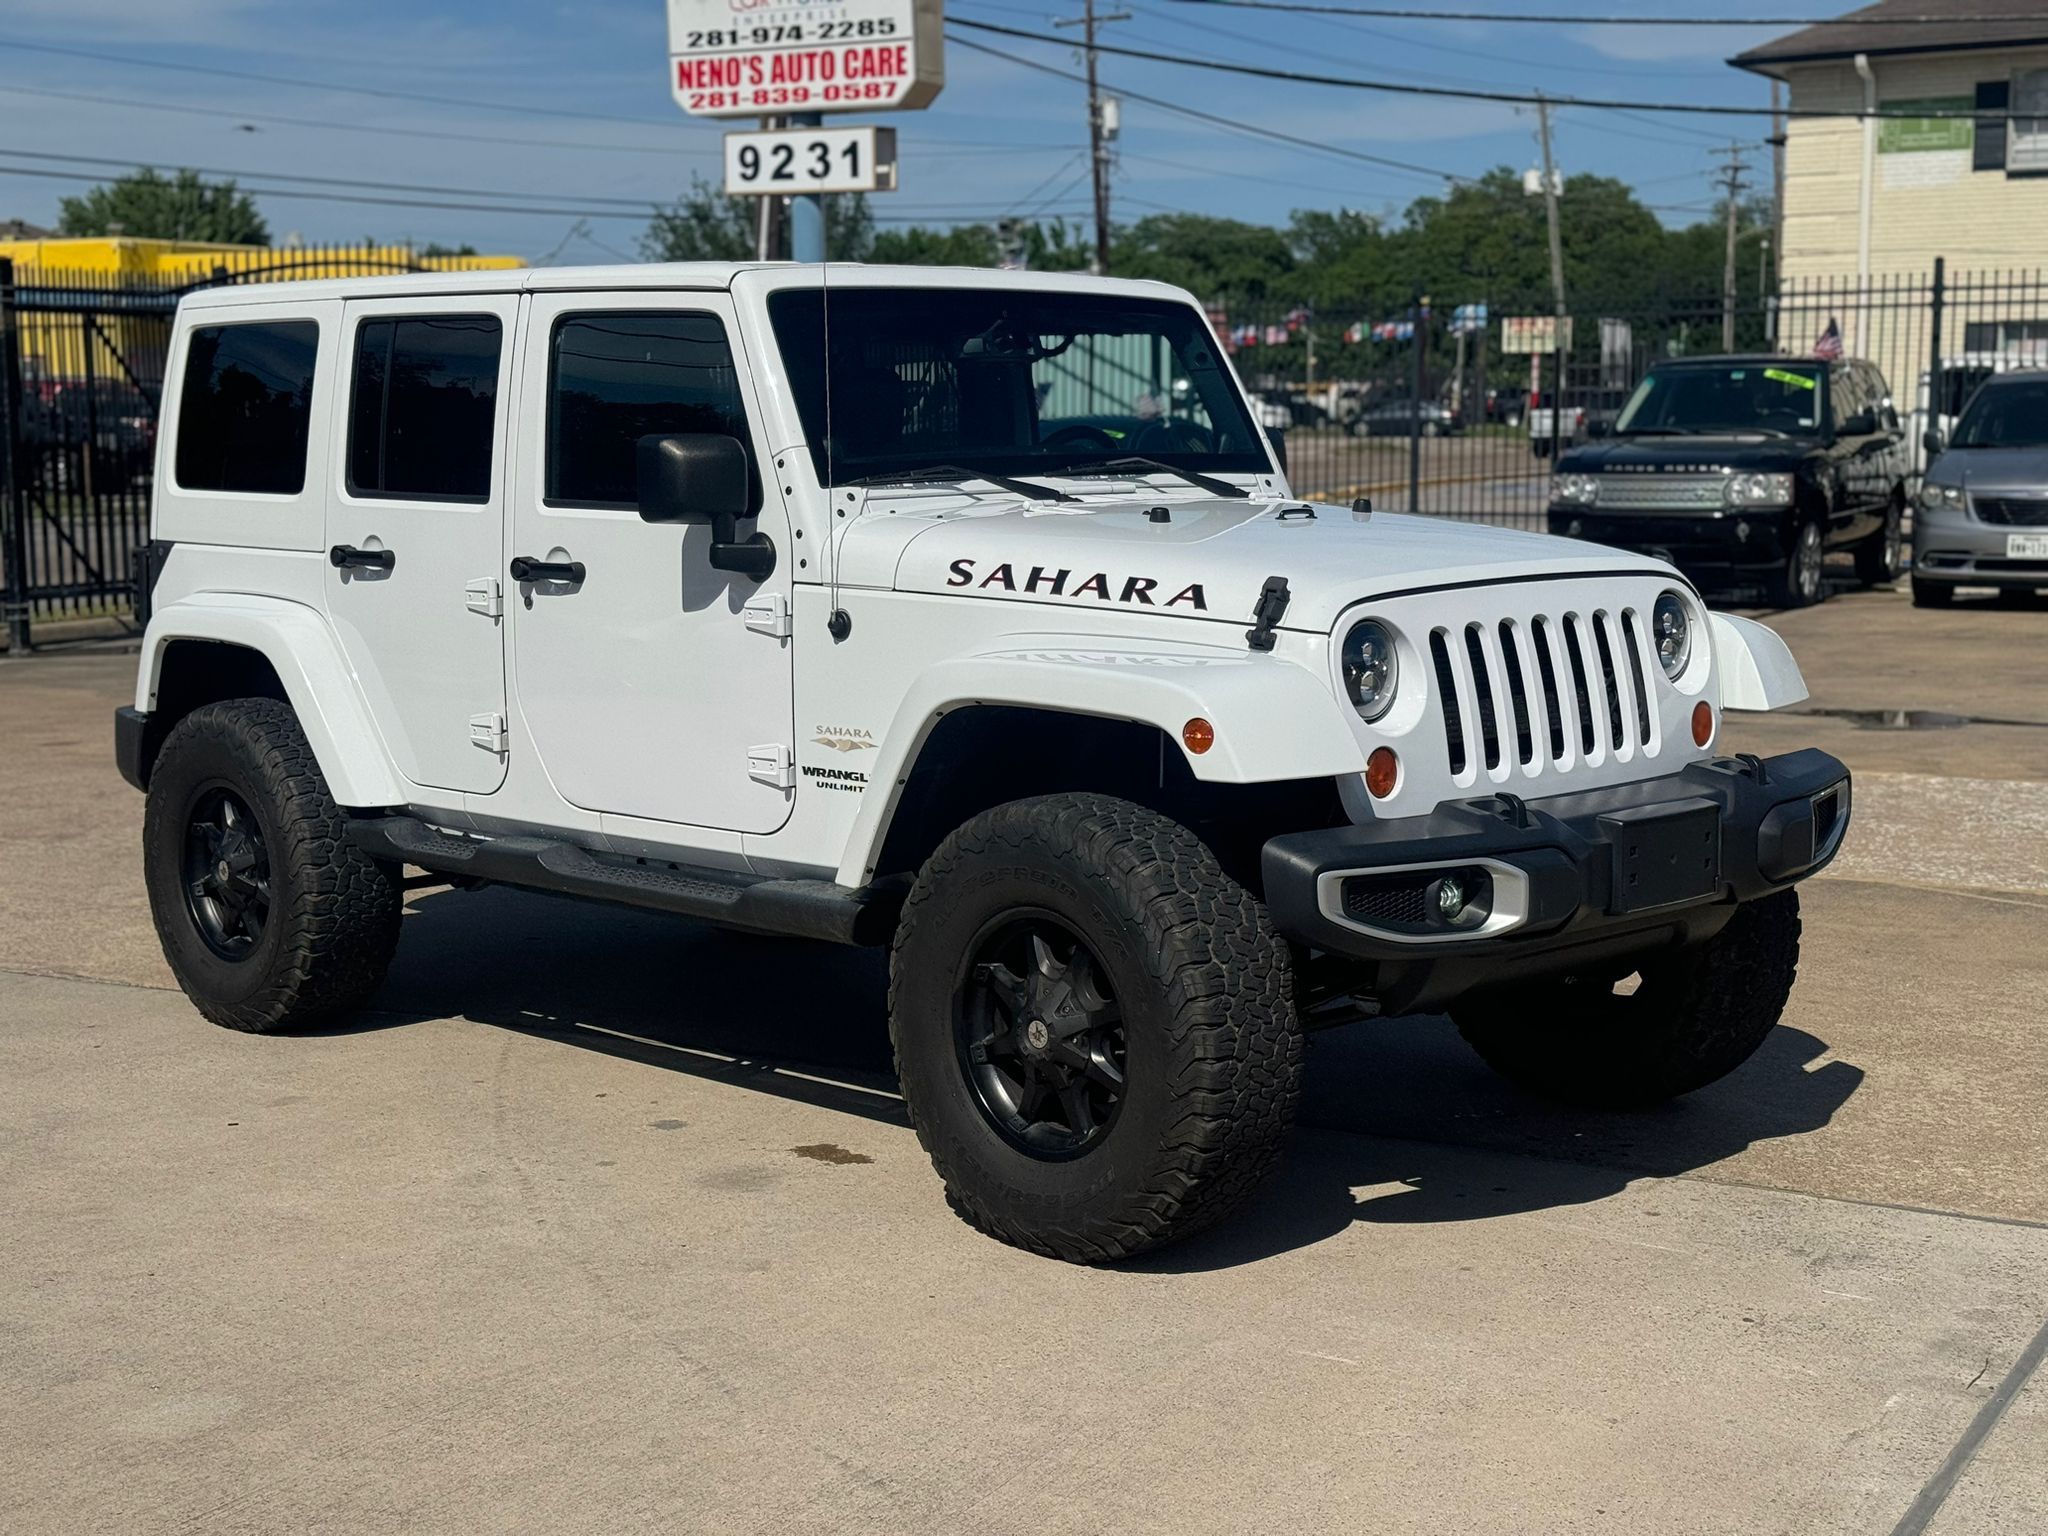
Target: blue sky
{"points": [[998, 139]]}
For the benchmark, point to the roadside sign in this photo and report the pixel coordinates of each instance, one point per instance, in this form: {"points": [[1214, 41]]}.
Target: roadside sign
{"points": [[1532, 333], [756, 58], [805, 160]]}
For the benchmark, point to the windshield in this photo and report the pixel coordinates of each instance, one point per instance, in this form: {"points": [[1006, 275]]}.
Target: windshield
{"points": [[2006, 415], [1745, 397], [1008, 380]]}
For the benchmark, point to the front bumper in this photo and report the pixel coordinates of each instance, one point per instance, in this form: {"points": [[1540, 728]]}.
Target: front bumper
{"points": [[1948, 546], [1571, 881], [1730, 541], [131, 738]]}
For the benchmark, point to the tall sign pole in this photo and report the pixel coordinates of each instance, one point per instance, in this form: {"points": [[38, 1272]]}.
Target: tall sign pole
{"points": [[1556, 269]]}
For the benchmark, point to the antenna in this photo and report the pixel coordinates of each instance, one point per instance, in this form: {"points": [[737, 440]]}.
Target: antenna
{"points": [[840, 623]]}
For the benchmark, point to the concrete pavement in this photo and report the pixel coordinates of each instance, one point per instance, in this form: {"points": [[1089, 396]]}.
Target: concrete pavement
{"points": [[606, 1222]]}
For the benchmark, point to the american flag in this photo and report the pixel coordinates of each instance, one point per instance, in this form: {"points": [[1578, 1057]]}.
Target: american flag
{"points": [[1830, 344]]}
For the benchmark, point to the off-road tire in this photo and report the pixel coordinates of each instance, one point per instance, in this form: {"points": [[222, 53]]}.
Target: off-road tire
{"points": [[1878, 558], [1206, 993], [1795, 584], [333, 910], [1695, 1017], [1933, 594]]}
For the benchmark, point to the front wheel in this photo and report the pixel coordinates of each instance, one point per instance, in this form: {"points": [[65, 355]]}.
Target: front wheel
{"points": [[1800, 582], [1094, 1027], [269, 916], [1692, 1017]]}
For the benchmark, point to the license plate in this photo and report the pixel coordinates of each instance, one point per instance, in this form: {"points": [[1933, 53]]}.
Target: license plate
{"points": [[1664, 854], [2026, 546]]}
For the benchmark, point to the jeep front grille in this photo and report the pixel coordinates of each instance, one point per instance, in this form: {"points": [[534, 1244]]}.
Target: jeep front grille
{"points": [[1552, 690]]}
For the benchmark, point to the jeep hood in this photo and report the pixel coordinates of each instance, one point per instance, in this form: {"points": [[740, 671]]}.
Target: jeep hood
{"points": [[1207, 559]]}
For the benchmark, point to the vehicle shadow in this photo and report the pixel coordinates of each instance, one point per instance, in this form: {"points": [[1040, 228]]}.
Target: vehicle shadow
{"points": [[1400, 1121]]}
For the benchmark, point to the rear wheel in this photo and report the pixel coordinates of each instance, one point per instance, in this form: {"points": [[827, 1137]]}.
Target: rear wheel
{"points": [[1094, 1027], [1691, 1018], [1879, 557], [270, 917]]}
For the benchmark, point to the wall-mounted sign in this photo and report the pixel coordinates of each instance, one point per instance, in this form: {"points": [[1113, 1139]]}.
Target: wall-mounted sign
{"points": [[1905, 135], [795, 161], [760, 58]]}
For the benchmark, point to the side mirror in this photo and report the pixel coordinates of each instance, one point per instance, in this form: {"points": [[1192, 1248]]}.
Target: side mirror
{"points": [[1933, 442], [1862, 424], [698, 477]]}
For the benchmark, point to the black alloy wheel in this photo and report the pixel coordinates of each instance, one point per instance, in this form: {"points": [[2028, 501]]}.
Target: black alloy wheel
{"points": [[226, 873], [1040, 1036]]}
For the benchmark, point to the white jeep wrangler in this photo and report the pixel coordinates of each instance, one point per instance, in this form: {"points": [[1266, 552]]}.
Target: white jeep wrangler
{"points": [[961, 612]]}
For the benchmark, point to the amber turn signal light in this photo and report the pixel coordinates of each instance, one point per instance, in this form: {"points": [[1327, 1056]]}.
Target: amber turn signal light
{"points": [[1198, 735], [1382, 770], [1702, 723]]}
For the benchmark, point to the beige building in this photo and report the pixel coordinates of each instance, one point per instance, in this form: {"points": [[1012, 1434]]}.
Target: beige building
{"points": [[1869, 203]]}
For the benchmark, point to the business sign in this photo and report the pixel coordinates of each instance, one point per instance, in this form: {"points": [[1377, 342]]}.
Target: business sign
{"points": [[758, 58], [1533, 333], [1908, 135], [794, 161]]}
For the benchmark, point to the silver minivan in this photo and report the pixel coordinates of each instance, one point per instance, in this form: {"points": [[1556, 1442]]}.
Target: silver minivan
{"points": [[1982, 518]]}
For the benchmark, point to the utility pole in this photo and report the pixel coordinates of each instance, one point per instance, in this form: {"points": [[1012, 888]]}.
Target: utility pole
{"points": [[1556, 271], [1099, 127], [1731, 188]]}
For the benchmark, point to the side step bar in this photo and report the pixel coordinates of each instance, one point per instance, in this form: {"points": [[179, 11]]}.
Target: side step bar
{"points": [[809, 909]]}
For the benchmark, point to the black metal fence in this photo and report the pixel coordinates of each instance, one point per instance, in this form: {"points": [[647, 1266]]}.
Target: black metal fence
{"points": [[81, 375], [1452, 406], [1456, 408]]}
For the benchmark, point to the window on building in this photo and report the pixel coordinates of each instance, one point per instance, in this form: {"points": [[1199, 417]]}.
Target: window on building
{"points": [[2028, 150], [1987, 144], [615, 378], [246, 407], [423, 411]]}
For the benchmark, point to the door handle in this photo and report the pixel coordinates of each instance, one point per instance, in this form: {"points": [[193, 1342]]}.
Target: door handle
{"points": [[526, 568], [344, 556]]}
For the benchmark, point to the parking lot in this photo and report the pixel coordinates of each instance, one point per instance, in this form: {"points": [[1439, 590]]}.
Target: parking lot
{"points": [[609, 1222]]}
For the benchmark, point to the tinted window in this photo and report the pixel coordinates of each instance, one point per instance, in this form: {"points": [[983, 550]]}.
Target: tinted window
{"points": [[2006, 414], [424, 406], [1740, 397], [616, 378], [246, 405]]}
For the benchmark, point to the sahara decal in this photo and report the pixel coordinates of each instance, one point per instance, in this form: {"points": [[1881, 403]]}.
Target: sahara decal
{"points": [[1060, 583], [843, 738]]}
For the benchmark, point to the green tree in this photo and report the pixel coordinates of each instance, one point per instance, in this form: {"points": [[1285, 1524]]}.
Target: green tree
{"points": [[1210, 257], [151, 206], [705, 224]]}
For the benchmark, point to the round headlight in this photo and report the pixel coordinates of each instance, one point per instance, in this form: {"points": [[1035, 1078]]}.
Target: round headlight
{"points": [[1671, 630], [1941, 496], [1371, 669]]}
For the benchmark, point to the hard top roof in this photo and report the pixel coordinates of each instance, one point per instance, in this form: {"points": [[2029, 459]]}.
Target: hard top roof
{"points": [[699, 276], [1900, 26]]}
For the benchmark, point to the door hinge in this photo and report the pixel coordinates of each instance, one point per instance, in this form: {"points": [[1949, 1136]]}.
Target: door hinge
{"points": [[768, 614], [488, 732], [485, 595], [773, 764]]}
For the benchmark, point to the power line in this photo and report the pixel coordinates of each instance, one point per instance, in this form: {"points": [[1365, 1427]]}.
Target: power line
{"points": [[1390, 13], [641, 203], [465, 102], [354, 197], [1397, 88], [1213, 119]]}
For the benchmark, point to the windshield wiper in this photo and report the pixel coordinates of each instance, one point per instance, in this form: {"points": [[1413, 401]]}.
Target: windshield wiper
{"points": [[1207, 483], [911, 476], [1657, 432]]}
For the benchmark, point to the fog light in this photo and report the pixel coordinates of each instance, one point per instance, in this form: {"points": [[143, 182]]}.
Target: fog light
{"points": [[1575, 528], [1382, 772], [1702, 723], [1198, 735], [1450, 898]]}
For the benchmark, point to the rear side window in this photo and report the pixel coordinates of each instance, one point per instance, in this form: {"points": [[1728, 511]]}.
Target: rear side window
{"points": [[615, 378], [246, 407], [423, 407]]}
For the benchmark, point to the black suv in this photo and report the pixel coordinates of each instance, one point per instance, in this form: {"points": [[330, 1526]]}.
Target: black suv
{"points": [[1739, 469]]}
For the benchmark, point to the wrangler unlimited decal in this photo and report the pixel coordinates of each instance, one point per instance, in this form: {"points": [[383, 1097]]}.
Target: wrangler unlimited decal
{"points": [[1137, 589]]}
